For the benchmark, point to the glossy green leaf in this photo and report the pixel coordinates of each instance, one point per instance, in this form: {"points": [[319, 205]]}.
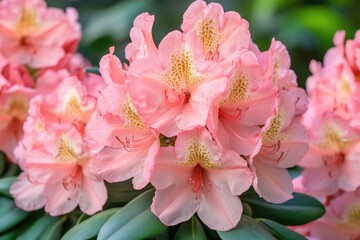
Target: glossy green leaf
{"points": [[295, 171], [94, 70], [54, 231], [144, 225], [12, 170], [297, 211], [10, 216], [123, 191], [90, 227], [2, 163], [5, 184], [38, 228], [248, 228], [282, 232], [125, 214], [246, 209], [191, 230], [11, 235]]}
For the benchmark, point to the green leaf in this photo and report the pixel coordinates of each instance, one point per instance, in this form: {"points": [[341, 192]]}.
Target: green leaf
{"points": [[90, 227], [144, 225], [191, 230], [297, 211], [2, 163], [12, 170], [295, 171], [5, 184], [11, 235], [36, 229], [125, 214], [123, 192], [10, 216], [246, 209], [248, 228], [282, 232], [54, 232], [94, 70]]}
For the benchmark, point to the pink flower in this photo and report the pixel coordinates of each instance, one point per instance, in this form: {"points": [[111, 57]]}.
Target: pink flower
{"points": [[35, 35], [221, 34], [63, 166], [332, 162], [283, 144], [142, 43], [111, 68], [341, 220], [55, 155], [130, 146], [179, 85], [249, 101], [14, 103], [194, 176]]}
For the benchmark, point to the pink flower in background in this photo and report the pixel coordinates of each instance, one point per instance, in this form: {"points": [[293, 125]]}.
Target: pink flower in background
{"points": [[37, 36], [341, 220], [55, 155], [332, 162], [195, 176]]}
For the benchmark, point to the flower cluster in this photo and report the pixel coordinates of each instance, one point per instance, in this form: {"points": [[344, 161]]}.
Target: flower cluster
{"points": [[332, 164], [202, 117], [46, 101]]}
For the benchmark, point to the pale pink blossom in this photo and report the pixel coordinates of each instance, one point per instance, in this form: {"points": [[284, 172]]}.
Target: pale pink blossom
{"points": [[283, 143], [111, 68], [195, 176], [142, 43], [54, 153], [37, 36], [130, 146], [332, 162], [175, 90], [14, 102], [239, 115], [341, 220], [222, 34]]}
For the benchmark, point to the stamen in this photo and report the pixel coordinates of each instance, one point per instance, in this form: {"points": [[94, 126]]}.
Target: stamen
{"points": [[236, 115], [132, 144]]}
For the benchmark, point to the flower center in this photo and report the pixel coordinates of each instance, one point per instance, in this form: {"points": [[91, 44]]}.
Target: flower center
{"points": [[27, 22], [66, 153], [132, 119], [272, 134], [352, 219], [182, 75]]}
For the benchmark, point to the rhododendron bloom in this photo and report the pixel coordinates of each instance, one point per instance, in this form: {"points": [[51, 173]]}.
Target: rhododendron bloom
{"points": [[14, 103], [195, 176], [249, 101], [130, 145], [341, 220], [221, 34], [142, 43], [178, 85], [35, 35], [55, 155], [333, 159], [283, 144]]}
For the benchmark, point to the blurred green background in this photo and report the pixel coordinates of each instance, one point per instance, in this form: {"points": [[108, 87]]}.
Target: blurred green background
{"points": [[306, 27]]}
